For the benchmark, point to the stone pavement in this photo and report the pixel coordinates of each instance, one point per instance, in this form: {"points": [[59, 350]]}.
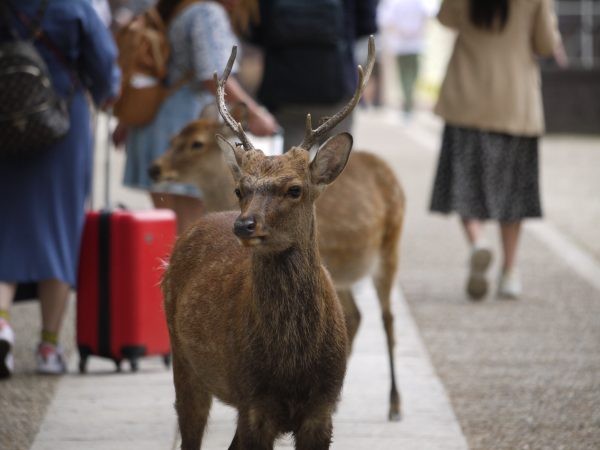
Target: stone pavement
{"points": [[103, 410], [516, 375]]}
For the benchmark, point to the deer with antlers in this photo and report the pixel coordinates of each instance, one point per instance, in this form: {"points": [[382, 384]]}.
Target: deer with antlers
{"points": [[359, 217], [259, 325]]}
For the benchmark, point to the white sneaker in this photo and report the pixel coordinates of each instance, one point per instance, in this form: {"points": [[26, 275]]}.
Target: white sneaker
{"points": [[7, 340], [509, 286], [477, 284], [50, 359]]}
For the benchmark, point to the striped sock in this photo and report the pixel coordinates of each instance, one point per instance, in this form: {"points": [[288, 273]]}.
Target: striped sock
{"points": [[50, 337]]}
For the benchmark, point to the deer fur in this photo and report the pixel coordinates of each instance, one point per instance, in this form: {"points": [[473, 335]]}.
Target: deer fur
{"points": [[359, 218], [259, 325]]}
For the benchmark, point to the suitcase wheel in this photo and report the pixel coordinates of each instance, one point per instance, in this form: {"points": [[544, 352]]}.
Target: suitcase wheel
{"points": [[133, 362], [83, 365], [167, 360]]}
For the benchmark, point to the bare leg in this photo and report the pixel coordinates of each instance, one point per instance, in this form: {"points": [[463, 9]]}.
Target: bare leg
{"points": [[473, 229], [7, 292], [481, 257], [192, 404], [351, 314], [54, 297], [510, 233]]}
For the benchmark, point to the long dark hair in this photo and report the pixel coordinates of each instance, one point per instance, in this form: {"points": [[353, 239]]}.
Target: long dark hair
{"points": [[166, 8], [489, 13]]}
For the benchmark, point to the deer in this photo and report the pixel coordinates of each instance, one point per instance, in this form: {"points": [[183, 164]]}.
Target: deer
{"points": [[359, 217], [253, 315]]}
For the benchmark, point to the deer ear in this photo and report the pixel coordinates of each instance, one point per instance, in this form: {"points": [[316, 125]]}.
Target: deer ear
{"points": [[233, 155], [331, 159]]}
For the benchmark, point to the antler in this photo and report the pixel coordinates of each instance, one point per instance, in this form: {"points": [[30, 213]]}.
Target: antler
{"points": [[311, 136], [229, 120]]}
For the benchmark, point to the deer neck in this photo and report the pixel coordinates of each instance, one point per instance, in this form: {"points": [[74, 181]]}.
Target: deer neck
{"points": [[288, 287]]}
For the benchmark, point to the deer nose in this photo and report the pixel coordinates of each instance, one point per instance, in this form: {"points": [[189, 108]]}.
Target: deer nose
{"points": [[244, 227], [154, 172]]}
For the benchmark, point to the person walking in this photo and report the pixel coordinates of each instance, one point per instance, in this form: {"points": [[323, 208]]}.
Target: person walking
{"points": [[309, 62], [201, 37], [43, 196], [491, 103], [403, 24]]}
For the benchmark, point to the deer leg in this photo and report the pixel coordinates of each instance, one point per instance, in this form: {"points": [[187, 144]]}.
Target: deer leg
{"points": [[351, 314], [315, 433], [235, 443], [384, 280], [192, 404], [255, 431]]}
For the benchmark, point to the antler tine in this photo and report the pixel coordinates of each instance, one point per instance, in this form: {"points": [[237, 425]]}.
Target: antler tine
{"points": [[311, 135], [229, 120]]}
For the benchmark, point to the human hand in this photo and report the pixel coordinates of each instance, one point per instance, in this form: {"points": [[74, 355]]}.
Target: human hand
{"points": [[560, 56], [262, 123], [119, 135]]}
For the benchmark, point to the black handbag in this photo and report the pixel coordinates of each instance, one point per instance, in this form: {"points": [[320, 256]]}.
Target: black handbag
{"points": [[32, 114]]}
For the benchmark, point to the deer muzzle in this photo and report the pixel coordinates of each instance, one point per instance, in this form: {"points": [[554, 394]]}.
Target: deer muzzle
{"points": [[247, 230]]}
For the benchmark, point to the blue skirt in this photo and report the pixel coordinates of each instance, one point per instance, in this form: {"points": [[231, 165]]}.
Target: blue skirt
{"points": [[42, 206]]}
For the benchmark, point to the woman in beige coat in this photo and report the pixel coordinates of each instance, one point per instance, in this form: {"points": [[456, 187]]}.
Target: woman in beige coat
{"points": [[491, 103]]}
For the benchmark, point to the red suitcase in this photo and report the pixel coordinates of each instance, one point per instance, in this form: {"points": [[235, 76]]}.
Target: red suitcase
{"points": [[120, 313]]}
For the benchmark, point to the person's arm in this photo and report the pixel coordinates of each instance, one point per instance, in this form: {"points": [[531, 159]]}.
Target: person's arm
{"points": [[211, 40], [98, 60], [546, 37], [451, 14], [260, 121]]}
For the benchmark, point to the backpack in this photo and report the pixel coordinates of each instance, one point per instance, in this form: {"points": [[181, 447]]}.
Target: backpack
{"points": [[32, 114], [308, 53], [144, 53]]}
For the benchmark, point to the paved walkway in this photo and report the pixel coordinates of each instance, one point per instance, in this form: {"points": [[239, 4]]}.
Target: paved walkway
{"points": [[509, 369], [105, 411]]}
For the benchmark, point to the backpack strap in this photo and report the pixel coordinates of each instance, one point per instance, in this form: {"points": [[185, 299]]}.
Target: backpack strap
{"points": [[34, 25], [38, 33]]}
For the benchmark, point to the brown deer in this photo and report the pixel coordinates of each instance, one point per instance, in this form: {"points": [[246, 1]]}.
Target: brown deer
{"points": [[259, 325], [359, 217]]}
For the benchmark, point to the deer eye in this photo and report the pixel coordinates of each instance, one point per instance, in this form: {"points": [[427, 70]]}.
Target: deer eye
{"points": [[197, 145], [238, 193], [294, 191]]}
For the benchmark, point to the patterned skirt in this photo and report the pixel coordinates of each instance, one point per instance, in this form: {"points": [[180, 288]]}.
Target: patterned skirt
{"points": [[487, 175]]}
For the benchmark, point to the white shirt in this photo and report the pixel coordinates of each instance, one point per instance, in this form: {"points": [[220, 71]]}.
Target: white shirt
{"points": [[403, 23]]}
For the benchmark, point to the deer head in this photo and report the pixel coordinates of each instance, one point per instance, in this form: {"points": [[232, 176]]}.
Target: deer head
{"points": [[193, 153], [277, 193]]}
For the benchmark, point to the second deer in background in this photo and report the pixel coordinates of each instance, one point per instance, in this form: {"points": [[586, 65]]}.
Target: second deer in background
{"points": [[359, 217]]}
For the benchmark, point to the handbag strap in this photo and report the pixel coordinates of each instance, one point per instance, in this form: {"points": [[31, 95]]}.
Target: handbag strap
{"points": [[37, 33], [6, 7]]}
